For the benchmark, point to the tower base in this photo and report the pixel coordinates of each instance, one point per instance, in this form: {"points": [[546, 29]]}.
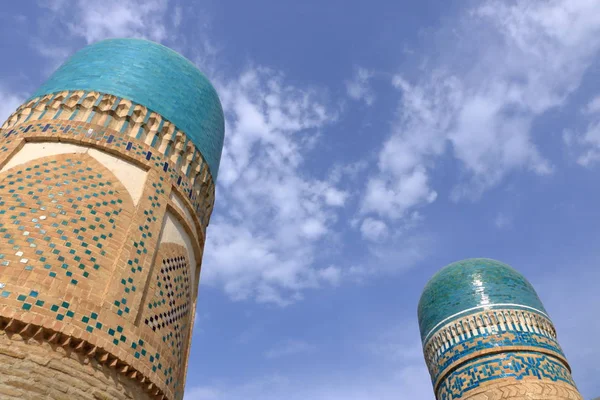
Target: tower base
{"points": [[526, 389], [36, 369]]}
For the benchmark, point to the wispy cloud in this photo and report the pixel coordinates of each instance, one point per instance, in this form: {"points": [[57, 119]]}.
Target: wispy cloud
{"points": [[586, 144], [95, 21], [272, 217], [65, 26], [506, 64], [359, 87], [374, 229]]}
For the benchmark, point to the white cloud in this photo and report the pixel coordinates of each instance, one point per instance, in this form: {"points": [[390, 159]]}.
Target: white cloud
{"points": [[95, 21], [331, 274], [586, 144], [335, 197], [374, 229], [391, 196], [359, 88], [65, 24], [506, 64], [177, 16], [593, 107], [271, 217], [289, 348]]}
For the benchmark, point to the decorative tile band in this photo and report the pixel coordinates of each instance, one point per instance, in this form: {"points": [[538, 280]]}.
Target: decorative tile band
{"points": [[513, 366], [490, 335], [477, 346], [476, 309], [490, 322], [115, 119]]}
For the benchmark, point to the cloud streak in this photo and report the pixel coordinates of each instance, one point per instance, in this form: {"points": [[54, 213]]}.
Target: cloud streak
{"points": [[506, 64], [271, 216], [359, 87]]}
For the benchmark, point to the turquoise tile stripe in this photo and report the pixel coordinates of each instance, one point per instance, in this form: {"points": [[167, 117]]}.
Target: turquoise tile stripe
{"points": [[473, 283], [154, 76]]}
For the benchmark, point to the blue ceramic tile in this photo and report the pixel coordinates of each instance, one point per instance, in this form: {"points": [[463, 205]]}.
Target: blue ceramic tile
{"points": [[152, 75], [476, 284]]}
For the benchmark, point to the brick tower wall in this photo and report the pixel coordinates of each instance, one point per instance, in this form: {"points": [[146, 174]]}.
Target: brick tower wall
{"points": [[103, 211]]}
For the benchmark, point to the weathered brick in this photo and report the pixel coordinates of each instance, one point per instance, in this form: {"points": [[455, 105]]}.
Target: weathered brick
{"points": [[27, 386], [6, 391]]}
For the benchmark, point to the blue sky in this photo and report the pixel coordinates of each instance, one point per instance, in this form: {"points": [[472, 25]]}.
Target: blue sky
{"points": [[367, 146]]}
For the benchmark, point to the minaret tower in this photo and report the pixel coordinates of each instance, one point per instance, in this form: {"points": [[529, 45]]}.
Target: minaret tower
{"points": [[486, 335], [107, 183]]}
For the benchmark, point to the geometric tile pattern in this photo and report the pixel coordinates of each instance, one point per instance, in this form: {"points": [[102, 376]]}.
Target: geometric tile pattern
{"points": [[74, 242], [509, 365], [143, 239], [168, 309], [59, 218], [470, 347], [487, 331]]}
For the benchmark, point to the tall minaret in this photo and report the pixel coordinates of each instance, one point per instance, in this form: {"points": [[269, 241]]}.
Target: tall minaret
{"points": [[107, 183], [486, 335]]}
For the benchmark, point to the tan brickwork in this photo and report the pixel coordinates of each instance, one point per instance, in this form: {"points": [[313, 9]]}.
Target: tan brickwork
{"points": [[80, 262], [525, 389], [36, 369], [50, 211]]}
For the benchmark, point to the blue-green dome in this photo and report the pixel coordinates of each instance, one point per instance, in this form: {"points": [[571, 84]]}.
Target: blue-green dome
{"points": [[469, 286], [154, 76]]}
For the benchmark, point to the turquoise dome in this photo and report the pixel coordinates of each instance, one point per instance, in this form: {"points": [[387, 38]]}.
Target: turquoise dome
{"points": [[154, 76], [470, 286]]}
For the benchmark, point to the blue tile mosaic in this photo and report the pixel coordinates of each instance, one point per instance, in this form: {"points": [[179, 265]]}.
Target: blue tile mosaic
{"points": [[154, 76], [469, 346], [507, 365], [476, 284]]}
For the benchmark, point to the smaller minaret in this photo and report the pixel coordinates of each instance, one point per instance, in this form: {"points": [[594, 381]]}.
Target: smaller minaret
{"points": [[486, 335]]}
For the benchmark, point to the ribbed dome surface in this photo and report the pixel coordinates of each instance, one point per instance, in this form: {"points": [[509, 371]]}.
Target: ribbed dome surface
{"points": [[470, 286], [154, 76]]}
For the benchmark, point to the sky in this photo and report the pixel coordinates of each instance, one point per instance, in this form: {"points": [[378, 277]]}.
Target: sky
{"points": [[368, 144]]}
